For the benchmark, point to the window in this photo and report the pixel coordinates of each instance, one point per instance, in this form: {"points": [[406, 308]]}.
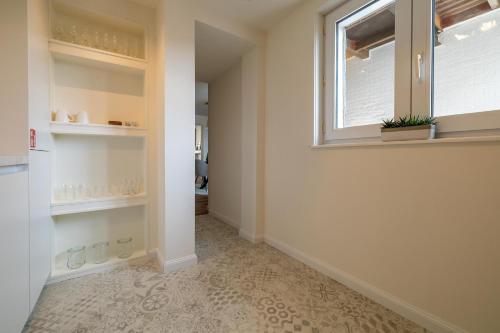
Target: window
{"points": [[392, 58], [466, 64], [365, 62], [360, 68]]}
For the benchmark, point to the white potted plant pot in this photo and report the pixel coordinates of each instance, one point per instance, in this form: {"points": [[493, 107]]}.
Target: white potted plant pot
{"points": [[422, 132]]}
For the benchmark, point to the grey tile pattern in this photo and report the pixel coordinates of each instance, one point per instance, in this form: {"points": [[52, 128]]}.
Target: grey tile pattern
{"points": [[236, 287]]}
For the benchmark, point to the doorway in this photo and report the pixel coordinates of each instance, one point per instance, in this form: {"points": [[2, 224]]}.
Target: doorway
{"points": [[201, 149], [219, 107]]}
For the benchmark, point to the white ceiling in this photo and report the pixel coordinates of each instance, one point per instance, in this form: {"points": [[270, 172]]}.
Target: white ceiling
{"points": [[147, 3], [201, 98], [260, 14], [216, 51]]}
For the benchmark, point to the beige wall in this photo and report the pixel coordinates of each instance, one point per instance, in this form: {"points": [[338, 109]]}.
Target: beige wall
{"points": [[178, 80], [224, 142], [252, 140], [421, 223], [13, 83]]}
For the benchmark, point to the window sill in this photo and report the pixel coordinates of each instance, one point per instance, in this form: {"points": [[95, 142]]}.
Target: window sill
{"points": [[380, 143]]}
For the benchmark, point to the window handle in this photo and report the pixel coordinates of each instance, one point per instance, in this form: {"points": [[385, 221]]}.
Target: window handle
{"points": [[420, 65]]}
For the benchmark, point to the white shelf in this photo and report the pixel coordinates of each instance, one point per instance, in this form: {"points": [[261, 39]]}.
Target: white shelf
{"points": [[96, 129], [64, 273], [95, 57], [93, 205]]}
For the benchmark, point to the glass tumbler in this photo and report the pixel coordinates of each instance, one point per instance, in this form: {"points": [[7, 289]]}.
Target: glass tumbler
{"points": [[125, 248], [76, 257], [100, 251]]}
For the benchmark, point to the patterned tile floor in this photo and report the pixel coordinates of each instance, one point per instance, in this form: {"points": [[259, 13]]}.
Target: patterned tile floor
{"points": [[236, 287]]}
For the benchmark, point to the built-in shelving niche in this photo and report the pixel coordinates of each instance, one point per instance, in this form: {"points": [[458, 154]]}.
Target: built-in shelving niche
{"points": [[109, 84]]}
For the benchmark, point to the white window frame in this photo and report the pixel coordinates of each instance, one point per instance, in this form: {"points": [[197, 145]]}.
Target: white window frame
{"points": [[333, 131], [469, 124], [414, 43]]}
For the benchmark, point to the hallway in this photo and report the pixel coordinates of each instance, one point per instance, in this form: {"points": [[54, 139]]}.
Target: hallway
{"points": [[236, 287]]}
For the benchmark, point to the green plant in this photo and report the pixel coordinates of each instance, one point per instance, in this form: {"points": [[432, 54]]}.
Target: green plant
{"points": [[408, 121]]}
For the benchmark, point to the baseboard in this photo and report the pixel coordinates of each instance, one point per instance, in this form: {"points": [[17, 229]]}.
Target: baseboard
{"points": [[179, 263], [243, 234], [159, 258], [417, 315], [250, 237], [223, 218]]}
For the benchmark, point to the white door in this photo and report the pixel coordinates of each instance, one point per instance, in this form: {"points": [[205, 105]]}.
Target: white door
{"points": [[14, 248]]}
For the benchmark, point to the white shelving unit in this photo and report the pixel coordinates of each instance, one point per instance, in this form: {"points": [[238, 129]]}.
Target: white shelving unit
{"points": [[96, 129], [108, 86], [95, 205]]}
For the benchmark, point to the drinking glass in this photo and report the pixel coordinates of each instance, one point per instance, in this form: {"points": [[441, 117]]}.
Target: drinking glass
{"points": [[76, 257], [85, 37], [114, 44], [95, 191], [140, 186], [115, 190], [88, 192], [59, 30], [64, 192], [132, 187], [73, 34], [125, 248], [100, 251], [70, 192], [124, 45], [97, 40], [58, 194], [134, 47], [106, 45], [124, 188]]}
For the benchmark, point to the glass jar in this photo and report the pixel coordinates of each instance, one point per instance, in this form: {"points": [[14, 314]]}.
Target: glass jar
{"points": [[100, 252], [125, 248], [76, 257]]}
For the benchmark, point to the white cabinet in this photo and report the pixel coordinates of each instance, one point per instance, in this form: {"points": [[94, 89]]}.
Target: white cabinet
{"points": [[14, 248], [40, 224]]}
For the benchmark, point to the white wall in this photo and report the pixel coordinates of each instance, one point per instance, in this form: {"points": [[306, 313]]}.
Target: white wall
{"points": [[252, 145], [177, 76], [225, 146], [420, 223], [14, 84]]}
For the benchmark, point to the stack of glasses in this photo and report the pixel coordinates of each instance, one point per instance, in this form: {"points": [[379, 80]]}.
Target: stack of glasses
{"points": [[77, 256]]}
